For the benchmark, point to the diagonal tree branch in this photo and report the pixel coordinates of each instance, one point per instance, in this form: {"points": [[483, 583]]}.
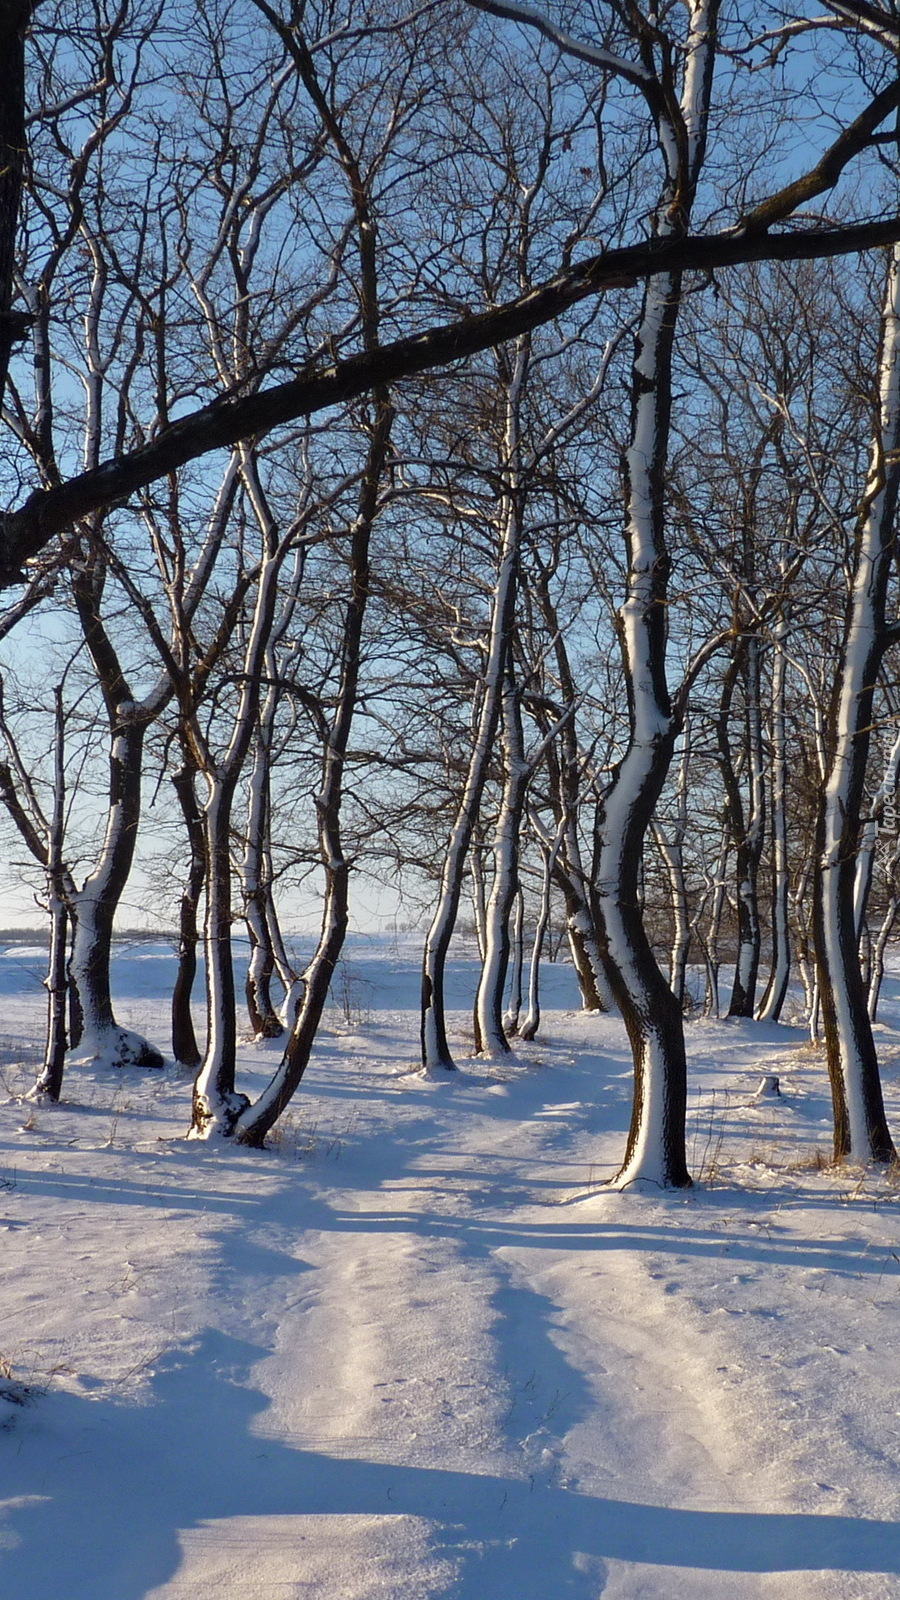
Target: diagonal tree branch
{"points": [[229, 418], [824, 175]]}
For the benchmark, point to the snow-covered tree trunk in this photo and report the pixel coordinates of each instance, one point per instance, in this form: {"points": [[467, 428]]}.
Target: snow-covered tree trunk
{"points": [[98, 1036], [255, 1121], [479, 898], [671, 848], [436, 1056], [263, 1018], [490, 1038], [215, 1102], [860, 1127], [517, 945], [94, 907], [532, 1021], [184, 1039], [288, 977], [881, 941], [655, 1149], [581, 923], [779, 975]]}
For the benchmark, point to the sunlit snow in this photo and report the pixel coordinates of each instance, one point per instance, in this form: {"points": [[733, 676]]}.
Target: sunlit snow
{"points": [[415, 1349]]}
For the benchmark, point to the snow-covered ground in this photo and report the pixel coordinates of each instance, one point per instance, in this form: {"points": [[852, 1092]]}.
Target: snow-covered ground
{"points": [[415, 1349]]}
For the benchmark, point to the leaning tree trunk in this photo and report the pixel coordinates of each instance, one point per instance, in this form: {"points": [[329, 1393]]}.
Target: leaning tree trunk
{"points": [[289, 978], [860, 1126], [710, 939], [479, 899], [749, 854]]}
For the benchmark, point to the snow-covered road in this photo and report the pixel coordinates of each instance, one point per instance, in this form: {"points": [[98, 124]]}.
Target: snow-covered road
{"points": [[415, 1350]]}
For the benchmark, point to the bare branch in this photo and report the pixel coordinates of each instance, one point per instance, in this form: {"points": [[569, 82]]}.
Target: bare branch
{"points": [[229, 418]]}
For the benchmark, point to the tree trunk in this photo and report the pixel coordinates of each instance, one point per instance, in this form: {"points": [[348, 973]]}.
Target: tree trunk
{"points": [[490, 1038], [860, 1127], [479, 907], [779, 976], [50, 1078], [564, 769], [215, 1103], [95, 906], [184, 1039], [745, 823], [14, 17], [514, 1006], [436, 1057], [532, 1021], [887, 923], [264, 1021], [656, 1141], [672, 851], [254, 1123]]}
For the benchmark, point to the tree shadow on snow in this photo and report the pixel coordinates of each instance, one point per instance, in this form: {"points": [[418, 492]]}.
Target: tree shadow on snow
{"points": [[102, 1490]]}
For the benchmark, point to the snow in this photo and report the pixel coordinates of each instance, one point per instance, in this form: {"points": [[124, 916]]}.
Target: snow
{"points": [[415, 1349]]}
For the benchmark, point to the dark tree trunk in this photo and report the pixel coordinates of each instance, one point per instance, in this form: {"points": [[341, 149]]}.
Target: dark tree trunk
{"points": [[50, 1078], [184, 1039], [744, 822], [14, 18]]}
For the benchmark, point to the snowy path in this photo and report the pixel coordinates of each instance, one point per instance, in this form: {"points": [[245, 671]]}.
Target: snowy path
{"points": [[413, 1352]]}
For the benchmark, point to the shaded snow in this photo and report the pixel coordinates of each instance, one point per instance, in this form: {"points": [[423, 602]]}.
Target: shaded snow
{"points": [[414, 1350]]}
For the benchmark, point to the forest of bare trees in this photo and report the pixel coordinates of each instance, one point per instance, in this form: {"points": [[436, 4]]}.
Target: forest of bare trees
{"points": [[456, 443]]}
